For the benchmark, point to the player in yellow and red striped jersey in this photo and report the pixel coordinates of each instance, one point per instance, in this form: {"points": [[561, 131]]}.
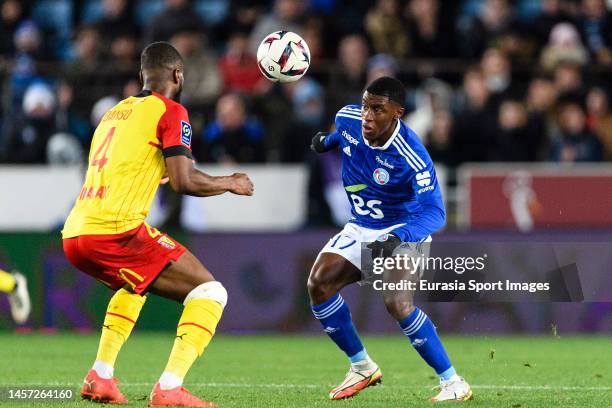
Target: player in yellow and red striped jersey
{"points": [[139, 141]]}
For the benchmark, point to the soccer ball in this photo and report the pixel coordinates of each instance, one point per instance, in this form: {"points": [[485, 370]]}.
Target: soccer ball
{"points": [[283, 56]]}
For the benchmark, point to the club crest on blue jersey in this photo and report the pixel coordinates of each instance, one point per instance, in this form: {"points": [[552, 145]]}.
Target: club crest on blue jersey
{"points": [[185, 133], [381, 176]]}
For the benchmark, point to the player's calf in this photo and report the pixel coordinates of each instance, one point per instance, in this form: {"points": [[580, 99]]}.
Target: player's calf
{"points": [[196, 328], [397, 307]]}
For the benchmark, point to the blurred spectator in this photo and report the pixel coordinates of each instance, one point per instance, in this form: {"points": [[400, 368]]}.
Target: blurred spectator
{"points": [[440, 138], [25, 69], [285, 16], [131, 88], [122, 64], [81, 72], [385, 27], [599, 118], [498, 76], [233, 137], [238, 66], [203, 80], [347, 78], [11, 14], [242, 17], [541, 94], [573, 142], [179, 16], [381, 65], [68, 119], [568, 79], [428, 37], [313, 33], [496, 18], [552, 13], [564, 46], [517, 141], [596, 27], [541, 98], [308, 101], [435, 95], [475, 121], [117, 19], [596, 107], [27, 141]]}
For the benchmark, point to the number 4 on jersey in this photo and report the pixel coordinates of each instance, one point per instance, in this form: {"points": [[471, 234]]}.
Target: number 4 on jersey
{"points": [[100, 157]]}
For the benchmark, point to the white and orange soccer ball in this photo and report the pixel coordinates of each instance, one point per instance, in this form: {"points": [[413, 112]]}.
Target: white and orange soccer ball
{"points": [[283, 56]]}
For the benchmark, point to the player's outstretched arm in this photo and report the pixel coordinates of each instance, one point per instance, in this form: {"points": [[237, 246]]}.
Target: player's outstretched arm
{"points": [[186, 179]]}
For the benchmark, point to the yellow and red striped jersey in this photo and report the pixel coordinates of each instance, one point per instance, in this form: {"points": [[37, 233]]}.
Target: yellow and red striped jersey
{"points": [[126, 164]]}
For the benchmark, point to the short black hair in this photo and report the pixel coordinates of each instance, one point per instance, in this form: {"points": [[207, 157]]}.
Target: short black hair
{"points": [[160, 54], [389, 87]]}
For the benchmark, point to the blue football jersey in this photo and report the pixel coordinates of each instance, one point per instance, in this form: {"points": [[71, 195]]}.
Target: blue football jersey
{"points": [[391, 184]]}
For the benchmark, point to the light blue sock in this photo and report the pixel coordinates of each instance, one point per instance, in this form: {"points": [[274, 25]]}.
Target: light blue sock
{"points": [[337, 322], [424, 338]]}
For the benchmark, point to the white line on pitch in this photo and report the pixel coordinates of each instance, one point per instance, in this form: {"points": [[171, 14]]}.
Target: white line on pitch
{"points": [[298, 386]]}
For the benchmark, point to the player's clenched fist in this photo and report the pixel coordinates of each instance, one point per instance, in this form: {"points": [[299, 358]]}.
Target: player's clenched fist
{"points": [[241, 184], [318, 143]]}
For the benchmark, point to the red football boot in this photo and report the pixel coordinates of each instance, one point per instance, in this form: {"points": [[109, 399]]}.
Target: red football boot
{"points": [[98, 389], [176, 397]]}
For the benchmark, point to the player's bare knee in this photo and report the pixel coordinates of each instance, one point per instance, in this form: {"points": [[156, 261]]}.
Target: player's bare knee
{"points": [[319, 289], [321, 284], [397, 307]]}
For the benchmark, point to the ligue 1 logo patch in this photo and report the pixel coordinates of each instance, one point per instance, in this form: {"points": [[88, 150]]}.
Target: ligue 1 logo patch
{"points": [[185, 133], [381, 176]]}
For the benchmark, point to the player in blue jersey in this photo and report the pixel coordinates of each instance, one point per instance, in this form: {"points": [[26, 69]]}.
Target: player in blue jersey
{"points": [[391, 182]]}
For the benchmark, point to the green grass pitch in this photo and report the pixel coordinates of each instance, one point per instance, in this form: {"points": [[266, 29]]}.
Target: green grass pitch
{"points": [[297, 371]]}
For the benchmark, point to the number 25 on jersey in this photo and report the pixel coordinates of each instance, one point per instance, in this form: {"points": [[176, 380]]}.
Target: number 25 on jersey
{"points": [[370, 208]]}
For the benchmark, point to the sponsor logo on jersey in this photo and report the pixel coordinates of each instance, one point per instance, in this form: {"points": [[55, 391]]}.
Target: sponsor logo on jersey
{"points": [[424, 189], [185, 133], [350, 138], [423, 178], [381, 176], [166, 242], [347, 150], [419, 342], [384, 163]]}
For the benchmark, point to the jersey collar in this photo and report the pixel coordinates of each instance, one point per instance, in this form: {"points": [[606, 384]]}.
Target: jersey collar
{"points": [[388, 143], [144, 93]]}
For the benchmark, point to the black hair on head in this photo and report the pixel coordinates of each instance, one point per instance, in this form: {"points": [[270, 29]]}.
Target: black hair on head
{"points": [[389, 87], [160, 55]]}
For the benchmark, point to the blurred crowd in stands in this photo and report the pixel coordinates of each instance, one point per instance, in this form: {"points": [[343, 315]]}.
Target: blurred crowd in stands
{"points": [[488, 80]]}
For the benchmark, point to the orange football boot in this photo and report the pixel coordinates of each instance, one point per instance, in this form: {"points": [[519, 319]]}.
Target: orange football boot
{"points": [[98, 389], [176, 397]]}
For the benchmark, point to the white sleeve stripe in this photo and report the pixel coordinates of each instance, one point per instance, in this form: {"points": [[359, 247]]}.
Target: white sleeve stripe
{"points": [[349, 116], [405, 143], [411, 161], [351, 109], [350, 112]]}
